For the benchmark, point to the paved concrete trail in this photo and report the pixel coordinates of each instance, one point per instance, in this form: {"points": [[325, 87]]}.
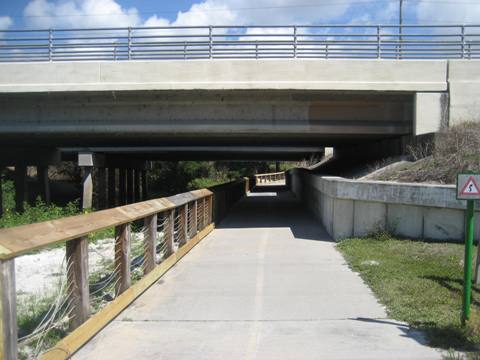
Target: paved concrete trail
{"points": [[267, 284]]}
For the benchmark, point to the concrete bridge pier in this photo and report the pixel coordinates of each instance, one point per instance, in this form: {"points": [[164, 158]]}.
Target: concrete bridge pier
{"points": [[20, 180], [22, 158], [101, 191], [44, 183], [112, 187]]}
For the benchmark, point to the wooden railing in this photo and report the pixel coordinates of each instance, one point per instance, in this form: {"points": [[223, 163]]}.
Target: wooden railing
{"points": [[269, 178], [226, 195], [177, 222]]}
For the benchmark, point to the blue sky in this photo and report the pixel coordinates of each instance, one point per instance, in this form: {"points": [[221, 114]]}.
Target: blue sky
{"points": [[16, 14]]}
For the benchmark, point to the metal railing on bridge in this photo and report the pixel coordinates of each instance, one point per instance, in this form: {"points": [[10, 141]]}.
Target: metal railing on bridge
{"points": [[167, 227], [243, 42]]}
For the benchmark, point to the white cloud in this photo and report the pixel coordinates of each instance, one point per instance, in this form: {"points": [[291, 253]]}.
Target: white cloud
{"points": [[430, 12], [77, 13], [252, 12], [108, 13], [5, 22]]}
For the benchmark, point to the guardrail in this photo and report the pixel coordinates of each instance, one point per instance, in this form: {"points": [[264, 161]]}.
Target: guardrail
{"points": [[243, 42], [171, 227], [269, 178], [226, 195]]}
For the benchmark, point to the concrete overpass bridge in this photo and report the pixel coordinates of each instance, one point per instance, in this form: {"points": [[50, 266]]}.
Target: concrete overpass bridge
{"points": [[124, 96], [194, 91]]}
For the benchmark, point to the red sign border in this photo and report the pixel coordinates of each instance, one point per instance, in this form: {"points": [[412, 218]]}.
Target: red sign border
{"points": [[472, 178]]}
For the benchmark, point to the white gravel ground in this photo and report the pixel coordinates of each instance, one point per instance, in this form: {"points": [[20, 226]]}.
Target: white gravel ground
{"points": [[41, 272]]}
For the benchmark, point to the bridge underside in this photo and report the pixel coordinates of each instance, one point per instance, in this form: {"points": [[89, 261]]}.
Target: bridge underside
{"points": [[247, 119]]}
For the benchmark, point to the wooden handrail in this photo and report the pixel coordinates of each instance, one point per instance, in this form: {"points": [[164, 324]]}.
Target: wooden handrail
{"points": [[26, 238], [74, 230]]}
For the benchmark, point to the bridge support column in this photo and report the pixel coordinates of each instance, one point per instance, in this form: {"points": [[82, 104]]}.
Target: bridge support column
{"points": [[44, 183], [85, 161], [137, 186], [144, 185], [112, 191], [122, 185], [101, 188], [20, 186], [130, 185]]}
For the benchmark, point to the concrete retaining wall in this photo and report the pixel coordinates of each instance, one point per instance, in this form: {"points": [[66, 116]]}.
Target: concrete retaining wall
{"points": [[350, 208]]}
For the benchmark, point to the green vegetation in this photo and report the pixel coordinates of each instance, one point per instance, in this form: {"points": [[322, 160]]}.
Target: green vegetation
{"points": [[34, 315], [168, 177], [32, 214], [40, 212], [420, 283]]}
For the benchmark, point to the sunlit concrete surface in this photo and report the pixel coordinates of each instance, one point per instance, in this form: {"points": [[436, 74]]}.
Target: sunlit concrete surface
{"points": [[268, 283]]}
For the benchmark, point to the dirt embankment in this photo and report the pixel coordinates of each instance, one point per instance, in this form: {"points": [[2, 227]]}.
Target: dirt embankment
{"points": [[454, 151]]}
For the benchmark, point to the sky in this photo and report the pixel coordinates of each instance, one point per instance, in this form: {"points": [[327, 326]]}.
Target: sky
{"points": [[19, 14]]}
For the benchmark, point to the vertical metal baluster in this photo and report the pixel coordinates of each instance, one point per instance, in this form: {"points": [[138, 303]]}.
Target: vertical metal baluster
{"points": [[294, 41], [129, 44], [378, 43], [50, 45], [463, 41], [210, 42]]}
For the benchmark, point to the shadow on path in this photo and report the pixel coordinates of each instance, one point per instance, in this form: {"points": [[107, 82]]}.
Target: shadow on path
{"points": [[275, 206]]}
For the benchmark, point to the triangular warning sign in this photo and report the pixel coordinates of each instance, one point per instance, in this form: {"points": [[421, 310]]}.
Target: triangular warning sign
{"points": [[471, 187]]}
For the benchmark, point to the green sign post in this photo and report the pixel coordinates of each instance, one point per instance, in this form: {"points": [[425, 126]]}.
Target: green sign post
{"points": [[468, 189]]}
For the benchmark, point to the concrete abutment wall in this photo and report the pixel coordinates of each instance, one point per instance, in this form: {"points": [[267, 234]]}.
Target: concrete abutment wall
{"points": [[350, 208]]}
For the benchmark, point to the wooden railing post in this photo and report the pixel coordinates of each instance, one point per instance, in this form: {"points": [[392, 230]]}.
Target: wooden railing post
{"points": [[205, 212], [194, 219], [77, 281], [150, 243], [122, 258], [169, 233], [8, 311], [183, 236], [210, 209]]}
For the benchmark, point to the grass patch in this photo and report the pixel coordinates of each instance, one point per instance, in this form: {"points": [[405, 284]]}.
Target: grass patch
{"points": [[32, 310], [420, 283]]}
